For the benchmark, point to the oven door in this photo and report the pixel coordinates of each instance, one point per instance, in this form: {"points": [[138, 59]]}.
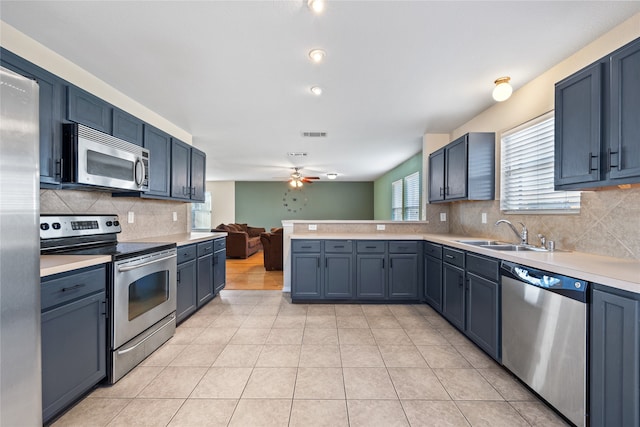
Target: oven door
{"points": [[144, 292]]}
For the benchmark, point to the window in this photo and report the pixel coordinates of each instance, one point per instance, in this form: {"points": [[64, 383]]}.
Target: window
{"points": [[396, 200], [527, 166], [412, 197]]}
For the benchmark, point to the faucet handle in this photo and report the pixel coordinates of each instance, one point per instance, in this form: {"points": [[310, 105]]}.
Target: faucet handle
{"points": [[543, 240]]}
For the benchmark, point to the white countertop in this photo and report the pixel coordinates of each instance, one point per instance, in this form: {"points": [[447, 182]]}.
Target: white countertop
{"points": [[183, 239], [359, 236]]}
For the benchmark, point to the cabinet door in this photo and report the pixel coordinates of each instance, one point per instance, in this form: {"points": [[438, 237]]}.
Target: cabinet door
{"points": [[483, 321], [186, 294], [159, 145], [127, 127], [180, 169], [85, 108], [615, 360], [371, 282], [73, 351], [456, 169], [205, 279], [436, 176], [578, 115], [624, 144], [198, 174], [433, 282], [219, 271], [453, 296], [338, 276], [403, 276], [306, 276]]}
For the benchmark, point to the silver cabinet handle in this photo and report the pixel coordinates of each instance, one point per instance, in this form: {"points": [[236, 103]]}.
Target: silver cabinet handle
{"points": [[144, 264]]}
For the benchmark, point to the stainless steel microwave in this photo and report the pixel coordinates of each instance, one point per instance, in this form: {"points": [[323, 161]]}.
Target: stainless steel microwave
{"points": [[94, 158]]}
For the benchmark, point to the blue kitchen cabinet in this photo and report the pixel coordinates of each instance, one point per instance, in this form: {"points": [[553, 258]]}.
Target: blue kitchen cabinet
{"points": [[198, 174], [73, 334], [127, 127], [433, 275], [187, 172], [436, 176], [371, 269], [306, 256], [338, 269], [405, 270], [204, 289], [186, 282], [159, 145], [219, 264], [453, 277], [88, 109], [615, 357]]}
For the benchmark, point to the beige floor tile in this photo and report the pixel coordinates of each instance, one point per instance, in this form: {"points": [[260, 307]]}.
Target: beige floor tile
{"points": [[164, 355], [279, 356], [211, 308], [262, 413], [491, 414], [320, 356], [204, 412], [322, 321], [417, 383], [383, 322], [255, 321], [466, 384], [229, 320], [215, 335], [198, 355], [293, 321], [376, 310], [199, 320], [222, 383], [355, 336], [361, 356], [452, 335], [147, 412], [293, 309], [376, 413], [538, 414], [424, 309], [346, 310], [413, 322], [270, 383], [443, 356], [438, 321], [352, 322], [250, 336], [266, 309], [244, 309], [185, 335], [285, 336], [319, 413], [476, 357], [424, 413], [321, 310], [402, 356], [131, 384], [391, 337], [368, 383], [319, 383], [174, 382], [92, 411], [320, 336], [403, 310], [506, 384], [426, 336], [239, 356]]}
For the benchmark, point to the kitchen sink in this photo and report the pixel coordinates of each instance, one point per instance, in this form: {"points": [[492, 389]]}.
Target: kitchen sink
{"points": [[502, 246], [483, 242]]}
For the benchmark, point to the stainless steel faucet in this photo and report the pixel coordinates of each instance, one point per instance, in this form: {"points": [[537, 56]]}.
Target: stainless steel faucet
{"points": [[522, 235]]}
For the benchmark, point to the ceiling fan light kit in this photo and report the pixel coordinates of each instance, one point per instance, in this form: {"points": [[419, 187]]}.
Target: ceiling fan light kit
{"points": [[332, 175], [317, 6]]}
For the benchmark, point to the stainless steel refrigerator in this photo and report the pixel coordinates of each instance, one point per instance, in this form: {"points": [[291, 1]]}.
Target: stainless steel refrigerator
{"points": [[20, 364]]}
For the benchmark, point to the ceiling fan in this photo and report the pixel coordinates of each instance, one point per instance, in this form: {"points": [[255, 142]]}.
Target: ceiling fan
{"points": [[297, 180]]}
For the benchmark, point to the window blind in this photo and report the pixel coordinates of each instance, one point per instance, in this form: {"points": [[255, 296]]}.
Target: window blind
{"points": [[396, 200], [412, 197], [527, 165]]}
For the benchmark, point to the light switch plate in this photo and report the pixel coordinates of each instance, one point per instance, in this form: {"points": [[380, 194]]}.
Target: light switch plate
{"points": [[443, 216], [380, 227], [130, 217], [484, 217], [313, 227]]}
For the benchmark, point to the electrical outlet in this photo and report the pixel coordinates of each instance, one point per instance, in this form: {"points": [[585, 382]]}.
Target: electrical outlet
{"points": [[313, 227], [484, 217], [380, 227], [175, 216], [443, 216], [130, 217]]}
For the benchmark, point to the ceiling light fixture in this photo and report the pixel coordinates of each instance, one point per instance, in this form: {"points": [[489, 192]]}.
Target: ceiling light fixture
{"points": [[332, 175], [295, 183], [317, 55], [316, 90], [503, 89], [317, 6]]}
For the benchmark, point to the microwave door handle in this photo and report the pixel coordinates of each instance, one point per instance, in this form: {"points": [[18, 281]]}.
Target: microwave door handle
{"points": [[139, 172], [144, 264]]}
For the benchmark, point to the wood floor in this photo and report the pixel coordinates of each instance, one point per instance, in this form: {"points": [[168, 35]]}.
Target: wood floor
{"points": [[249, 274]]}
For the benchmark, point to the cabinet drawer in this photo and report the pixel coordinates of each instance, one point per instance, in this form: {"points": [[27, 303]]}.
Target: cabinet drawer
{"points": [[454, 257], [338, 246], [371, 246], [305, 245], [205, 248], [219, 244], [186, 253], [400, 247], [433, 250], [69, 287], [483, 266]]}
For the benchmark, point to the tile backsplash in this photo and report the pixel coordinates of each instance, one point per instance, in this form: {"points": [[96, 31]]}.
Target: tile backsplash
{"points": [[151, 217], [608, 223]]}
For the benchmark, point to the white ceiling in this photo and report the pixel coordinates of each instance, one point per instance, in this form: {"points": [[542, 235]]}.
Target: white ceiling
{"points": [[235, 74]]}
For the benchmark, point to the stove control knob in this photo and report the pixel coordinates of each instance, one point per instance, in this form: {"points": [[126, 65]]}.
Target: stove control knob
{"points": [[109, 223], [44, 226], [116, 223], [56, 226]]}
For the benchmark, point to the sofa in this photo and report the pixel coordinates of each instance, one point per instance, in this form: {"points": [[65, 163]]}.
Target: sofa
{"points": [[272, 249], [242, 240]]}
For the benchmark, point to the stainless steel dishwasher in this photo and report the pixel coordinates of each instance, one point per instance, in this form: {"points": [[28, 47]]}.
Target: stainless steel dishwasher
{"points": [[544, 336]]}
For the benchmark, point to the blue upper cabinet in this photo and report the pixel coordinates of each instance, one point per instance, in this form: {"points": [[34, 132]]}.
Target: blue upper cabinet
{"points": [[180, 169], [85, 108], [128, 127], [159, 145], [198, 174]]}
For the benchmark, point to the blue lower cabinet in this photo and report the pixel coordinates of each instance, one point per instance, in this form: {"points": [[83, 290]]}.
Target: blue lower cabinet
{"points": [[453, 297], [187, 300], [404, 273], [338, 276], [219, 265], [306, 276]]}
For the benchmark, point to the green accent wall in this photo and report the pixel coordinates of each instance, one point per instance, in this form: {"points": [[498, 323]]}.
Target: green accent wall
{"points": [[382, 186], [261, 204]]}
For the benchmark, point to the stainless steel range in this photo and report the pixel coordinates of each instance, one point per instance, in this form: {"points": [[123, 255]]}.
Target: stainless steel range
{"points": [[142, 291]]}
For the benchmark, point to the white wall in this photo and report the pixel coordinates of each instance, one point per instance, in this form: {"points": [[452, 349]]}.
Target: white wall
{"points": [[223, 202]]}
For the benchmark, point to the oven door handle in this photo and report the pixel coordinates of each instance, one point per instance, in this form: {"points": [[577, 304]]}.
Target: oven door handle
{"points": [[122, 269]]}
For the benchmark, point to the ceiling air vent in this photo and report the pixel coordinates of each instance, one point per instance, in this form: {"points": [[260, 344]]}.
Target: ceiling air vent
{"points": [[314, 134], [296, 154]]}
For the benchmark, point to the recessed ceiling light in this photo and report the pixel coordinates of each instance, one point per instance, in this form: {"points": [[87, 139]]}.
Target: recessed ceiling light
{"points": [[316, 5], [317, 55], [316, 90], [332, 175]]}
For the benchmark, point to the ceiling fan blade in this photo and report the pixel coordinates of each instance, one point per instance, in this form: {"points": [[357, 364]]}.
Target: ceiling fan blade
{"points": [[311, 177]]}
